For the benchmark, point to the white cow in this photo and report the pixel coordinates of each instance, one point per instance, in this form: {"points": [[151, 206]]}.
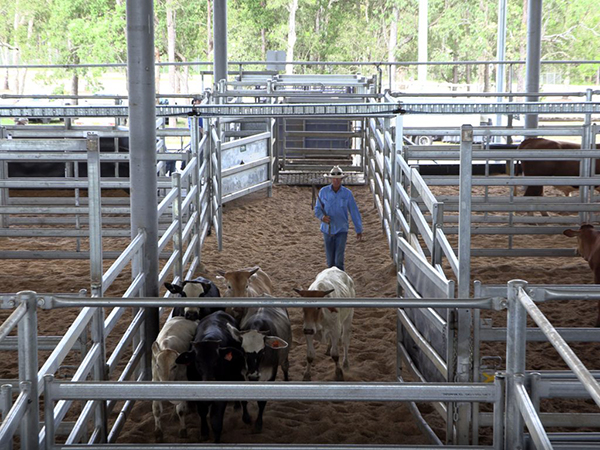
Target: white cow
{"points": [[331, 324], [174, 339]]}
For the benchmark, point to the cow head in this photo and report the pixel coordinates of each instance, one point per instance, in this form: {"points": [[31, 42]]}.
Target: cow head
{"points": [[213, 362], [190, 289], [254, 343], [313, 316], [586, 236], [164, 365], [238, 281]]}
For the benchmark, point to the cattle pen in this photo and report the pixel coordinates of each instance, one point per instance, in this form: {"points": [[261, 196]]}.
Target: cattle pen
{"points": [[442, 316]]}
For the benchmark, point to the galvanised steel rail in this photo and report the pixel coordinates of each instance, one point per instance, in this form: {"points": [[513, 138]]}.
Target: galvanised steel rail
{"points": [[311, 109], [59, 301]]}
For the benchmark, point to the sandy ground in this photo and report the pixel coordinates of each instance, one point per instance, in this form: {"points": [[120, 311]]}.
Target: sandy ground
{"points": [[281, 235]]}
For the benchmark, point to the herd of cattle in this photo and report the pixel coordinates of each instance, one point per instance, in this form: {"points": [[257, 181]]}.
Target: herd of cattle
{"points": [[243, 344]]}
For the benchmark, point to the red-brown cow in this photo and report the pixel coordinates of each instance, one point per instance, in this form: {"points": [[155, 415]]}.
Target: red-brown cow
{"points": [[537, 168], [588, 246]]}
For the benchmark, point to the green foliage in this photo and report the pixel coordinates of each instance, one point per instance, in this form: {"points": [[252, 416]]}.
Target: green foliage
{"points": [[93, 31]]}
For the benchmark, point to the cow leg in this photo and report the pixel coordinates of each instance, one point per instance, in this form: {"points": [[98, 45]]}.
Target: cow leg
{"points": [[217, 412], [285, 367], [346, 332], [335, 351], [245, 416], [202, 408], [259, 419], [181, 409], [310, 356], [156, 412], [598, 318]]}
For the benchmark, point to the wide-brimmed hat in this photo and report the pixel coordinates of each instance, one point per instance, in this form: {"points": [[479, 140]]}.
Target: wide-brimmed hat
{"points": [[336, 172]]}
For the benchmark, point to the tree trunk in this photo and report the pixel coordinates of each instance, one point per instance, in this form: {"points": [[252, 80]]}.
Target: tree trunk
{"points": [[486, 78], [6, 60], [520, 72], [291, 36], [75, 86], [16, 52], [171, 41], [157, 69], [209, 34], [393, 43]]}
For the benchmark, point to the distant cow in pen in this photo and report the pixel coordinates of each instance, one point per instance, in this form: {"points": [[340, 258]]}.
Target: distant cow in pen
{"points": [[588, 246]]}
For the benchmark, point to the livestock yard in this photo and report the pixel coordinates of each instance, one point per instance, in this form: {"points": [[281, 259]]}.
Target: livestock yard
{"points": [[433, 360]]}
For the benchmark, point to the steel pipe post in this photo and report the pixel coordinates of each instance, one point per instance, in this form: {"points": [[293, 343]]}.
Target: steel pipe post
{"points": [[5, 406], [515, 364], [142, 145], [28, 369], [464, 340], [534, 51], [49, 412], [499, 411], [220, 42], [4, 192], [178, 235]]}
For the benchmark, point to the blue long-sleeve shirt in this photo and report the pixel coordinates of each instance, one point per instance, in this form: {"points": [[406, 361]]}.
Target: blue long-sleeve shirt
{"points": [[336, 205]]}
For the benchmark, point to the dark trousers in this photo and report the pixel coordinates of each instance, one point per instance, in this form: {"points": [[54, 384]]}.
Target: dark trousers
{"points": [[335, 248]]}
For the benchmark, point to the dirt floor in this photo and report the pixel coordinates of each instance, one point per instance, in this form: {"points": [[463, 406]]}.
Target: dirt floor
{"points": [[280, 234]]}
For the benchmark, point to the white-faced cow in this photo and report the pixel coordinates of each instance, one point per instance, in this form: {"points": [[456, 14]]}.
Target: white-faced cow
{"points": [[588, 246], [332, 325], [197, 288], [173, 339], [252, 282], [215, 355], [537, 168], [266, 338]]}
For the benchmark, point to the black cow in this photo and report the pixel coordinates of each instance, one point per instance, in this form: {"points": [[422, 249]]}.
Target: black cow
{"points": [[196, 288], [215, 355], [264, 334]]}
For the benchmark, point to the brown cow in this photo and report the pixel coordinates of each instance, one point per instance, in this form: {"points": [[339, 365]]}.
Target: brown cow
{"points": [[537, 168], [252, 282], [588, 246]]}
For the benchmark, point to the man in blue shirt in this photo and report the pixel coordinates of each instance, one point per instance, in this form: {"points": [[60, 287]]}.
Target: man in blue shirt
{"points": [[332, 206]]}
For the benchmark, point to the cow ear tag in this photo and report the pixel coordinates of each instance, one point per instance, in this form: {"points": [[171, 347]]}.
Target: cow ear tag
{"points": [[229, 356], [275, 344]]}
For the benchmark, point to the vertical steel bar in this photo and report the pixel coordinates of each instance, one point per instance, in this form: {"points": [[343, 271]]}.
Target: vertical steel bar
{"points": [[587, 168], [95, 215], [49, 411], [395, 152], [270, 146], [210, 148], [534, 51], [96, 271], [501, 55], [28, 341], [219, 175], [196, 181], [220, 41], [500, 382], [178, 235], [515, 363], [4, 193], [476, 362], [535, 380], [5, 405], [464, 321], [142, 148]]}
